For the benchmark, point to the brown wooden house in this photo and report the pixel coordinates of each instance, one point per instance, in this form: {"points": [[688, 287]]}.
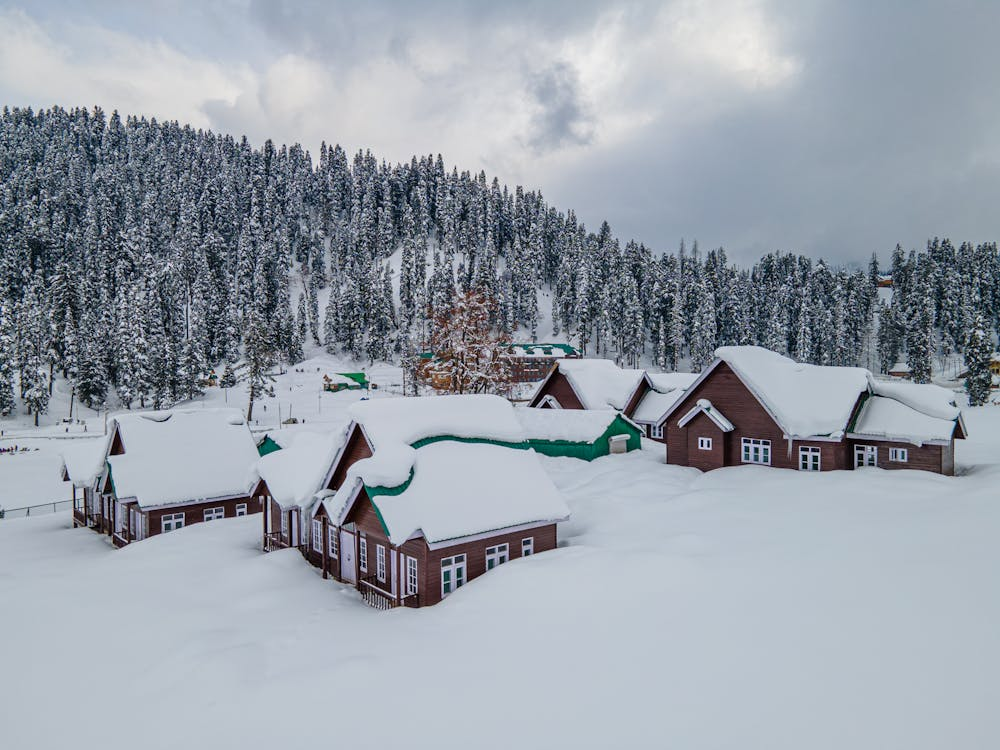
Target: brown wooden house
{"points": [[752, 406], [590, 384], [419, 461], [656, 394], [170, 469]]}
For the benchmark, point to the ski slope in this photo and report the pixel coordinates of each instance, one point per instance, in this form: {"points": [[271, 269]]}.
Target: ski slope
{"points": [[744, 608]]}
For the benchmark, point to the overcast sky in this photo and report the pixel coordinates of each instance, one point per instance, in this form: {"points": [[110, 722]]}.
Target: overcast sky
{"points": [[829, 128]]}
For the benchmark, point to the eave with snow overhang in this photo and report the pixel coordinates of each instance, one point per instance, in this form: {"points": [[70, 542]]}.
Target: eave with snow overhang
{"points": [[589, 384]]}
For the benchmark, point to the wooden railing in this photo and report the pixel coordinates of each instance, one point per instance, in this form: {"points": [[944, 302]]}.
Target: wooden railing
{"points": [[273, 541], [378, 598]]}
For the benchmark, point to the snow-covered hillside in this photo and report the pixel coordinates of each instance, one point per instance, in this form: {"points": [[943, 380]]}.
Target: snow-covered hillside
{"points": [[744, 608]]}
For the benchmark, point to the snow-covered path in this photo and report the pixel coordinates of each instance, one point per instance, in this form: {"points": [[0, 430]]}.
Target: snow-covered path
{"points": [[746, 608]]}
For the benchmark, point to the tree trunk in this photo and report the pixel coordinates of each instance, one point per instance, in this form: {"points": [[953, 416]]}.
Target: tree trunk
{"points": [[250, 406]]}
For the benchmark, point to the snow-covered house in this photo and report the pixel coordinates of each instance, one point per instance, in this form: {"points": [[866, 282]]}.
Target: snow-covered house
{"points": [[411, 525], [753, 406], [170, 469], [589, 384], [32, 478], [289, 480], [375, 503], [656, 394], [530, 362]]}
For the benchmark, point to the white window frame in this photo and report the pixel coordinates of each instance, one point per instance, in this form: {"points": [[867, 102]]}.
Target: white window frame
{"points": [[380, 562], [527, 546], [899, 455], [756, 451], [704, 443], [284, 523], [656, 431], [455, 566], [412, 579], [317, 535], [810, 458], [497, 555], [363, 554], [214, 514], [173, 520], [332, 533], [241, 509], [863, 452]]}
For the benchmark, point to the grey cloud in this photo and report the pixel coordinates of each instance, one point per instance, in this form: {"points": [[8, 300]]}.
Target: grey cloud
{"points": [[562, 118]]}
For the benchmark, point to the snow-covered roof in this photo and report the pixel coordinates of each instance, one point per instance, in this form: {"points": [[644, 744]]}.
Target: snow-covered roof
{"points": [[600, 383], [887, 418], [297, 472], [932, 400], [32, 478], [84, 459], [805, 400], [394, 421], [336, 377], [459, 489], [704, 406], [668, 388], [574, 425], [183, 456]]}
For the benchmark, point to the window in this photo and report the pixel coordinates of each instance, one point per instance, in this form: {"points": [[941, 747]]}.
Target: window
{"points": [[284, 524], [809, 458], [899, 455], [241, 509], [496, 556], [656, 431], [756, 451], [363, 562], [380, 562], [411, 575], [211, 514], [452, 574], [332, 533], [704, 444], [528, 546], [172, 521], [317, 535]]}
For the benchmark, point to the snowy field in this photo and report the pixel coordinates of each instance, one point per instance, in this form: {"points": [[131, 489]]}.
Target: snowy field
{"points": [[745, 608]]}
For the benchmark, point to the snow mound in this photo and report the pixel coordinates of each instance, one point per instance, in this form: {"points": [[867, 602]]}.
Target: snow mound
{"points": [[500, 487], [182, 456], [931, 400], [600, 383], [805, 400]]}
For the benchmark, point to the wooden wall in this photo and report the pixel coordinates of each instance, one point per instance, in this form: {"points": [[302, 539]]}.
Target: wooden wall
{"points": [[559, 388], [356, 449]]}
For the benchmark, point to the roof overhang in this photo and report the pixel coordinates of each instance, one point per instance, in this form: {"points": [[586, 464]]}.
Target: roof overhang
{"points": [[705, 407]]}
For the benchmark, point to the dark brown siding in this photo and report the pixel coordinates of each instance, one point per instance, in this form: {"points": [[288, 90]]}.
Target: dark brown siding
{"points": [[196, 513], [356, 449], [926, 457], [117, 448], [475, 557], [530, 369], [559, 388], [702, 426], [728, 394]]}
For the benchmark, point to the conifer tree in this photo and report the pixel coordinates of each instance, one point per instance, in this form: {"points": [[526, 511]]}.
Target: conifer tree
{"points": [[978, 353]]}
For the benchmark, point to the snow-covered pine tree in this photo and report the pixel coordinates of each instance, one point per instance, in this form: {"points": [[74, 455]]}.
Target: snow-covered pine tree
{"points": [[468, 355], [978, 353]]}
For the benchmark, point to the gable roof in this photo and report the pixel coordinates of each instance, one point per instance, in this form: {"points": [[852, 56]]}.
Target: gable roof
{"points": [[32, 478], [572, 425], [814, 400], [460, 489], [665, 389], [182, 456], [704, 406], [597, 383], [297, 472]]}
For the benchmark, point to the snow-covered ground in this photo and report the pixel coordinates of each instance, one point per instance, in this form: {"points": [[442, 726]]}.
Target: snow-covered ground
{"points": [[744, 608]]}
